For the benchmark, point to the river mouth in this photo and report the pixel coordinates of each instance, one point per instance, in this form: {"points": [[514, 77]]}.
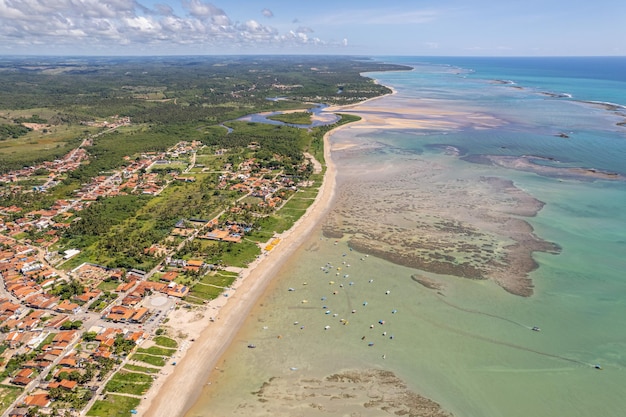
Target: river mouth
{"points": [[319, 117]]}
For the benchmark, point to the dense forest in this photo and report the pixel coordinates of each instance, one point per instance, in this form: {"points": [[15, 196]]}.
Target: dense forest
{"points": [[118, 110], [172, 98]]}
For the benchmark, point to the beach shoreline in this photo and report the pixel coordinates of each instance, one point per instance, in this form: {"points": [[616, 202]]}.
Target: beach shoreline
{"points": [[177, 388]]}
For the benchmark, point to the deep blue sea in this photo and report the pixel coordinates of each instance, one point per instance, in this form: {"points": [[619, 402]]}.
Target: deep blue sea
{"points": [[531, 114], [471, 351]]}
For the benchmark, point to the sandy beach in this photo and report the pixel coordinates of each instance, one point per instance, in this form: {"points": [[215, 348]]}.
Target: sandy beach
{"points": [[178, 387]]}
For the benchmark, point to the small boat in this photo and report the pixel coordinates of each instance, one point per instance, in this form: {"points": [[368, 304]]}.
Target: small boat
{"points": [[291, 289], [251, 346], [535, 329], [596, 366]]}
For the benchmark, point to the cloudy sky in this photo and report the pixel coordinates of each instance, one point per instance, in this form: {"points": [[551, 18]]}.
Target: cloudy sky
{"points": [[382, 27]]}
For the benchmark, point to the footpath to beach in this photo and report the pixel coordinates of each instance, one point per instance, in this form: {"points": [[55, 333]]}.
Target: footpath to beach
{"points": [[178, 387]]}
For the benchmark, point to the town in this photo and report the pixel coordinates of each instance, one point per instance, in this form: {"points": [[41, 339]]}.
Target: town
{"points": [[74, 336], [133, 196]]}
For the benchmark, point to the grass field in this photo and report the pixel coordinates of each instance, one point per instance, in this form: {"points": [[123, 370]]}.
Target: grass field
{"points": [[220, 278], [240, 254], [114, 406], [145, 369], [165, 342], [8, 394], [157, 350], [149, 359], [205, 292], [129, 383]]}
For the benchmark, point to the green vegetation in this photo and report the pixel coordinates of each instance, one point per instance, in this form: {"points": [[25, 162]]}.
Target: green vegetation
{"points": [[72, 325], [153, 104], [32, 119], [12, 131], [106, 297], [122, 346], [77, 398], [68, 290], [15, 363], [129, 383], [144, 369], [121, 231], [296, 118], [113, 406], [149, 359], [46, 341], [157, 350], [193, 91], [219, 278], [8, 394], [165, 342], [202, 292], [89, 336]]}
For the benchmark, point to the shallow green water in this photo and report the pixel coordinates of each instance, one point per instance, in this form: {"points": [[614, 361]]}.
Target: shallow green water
{"points": [[471, 349]]}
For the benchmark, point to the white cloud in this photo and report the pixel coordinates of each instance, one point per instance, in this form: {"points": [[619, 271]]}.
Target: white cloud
{"points": [[164, 9], [97, 25], [198, 8]]}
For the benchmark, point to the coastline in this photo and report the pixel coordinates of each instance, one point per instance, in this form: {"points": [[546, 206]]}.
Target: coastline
{"points": [[178, 387], [533, 375]]}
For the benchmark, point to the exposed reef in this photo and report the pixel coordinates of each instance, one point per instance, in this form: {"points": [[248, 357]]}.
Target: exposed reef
{"points": [[432, 221]]}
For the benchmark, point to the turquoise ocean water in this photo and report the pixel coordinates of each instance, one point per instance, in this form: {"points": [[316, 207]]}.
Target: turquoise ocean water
{"points": [[472, 350]]}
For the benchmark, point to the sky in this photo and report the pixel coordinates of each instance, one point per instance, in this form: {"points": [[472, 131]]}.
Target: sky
{"points": [[347, 27]]}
